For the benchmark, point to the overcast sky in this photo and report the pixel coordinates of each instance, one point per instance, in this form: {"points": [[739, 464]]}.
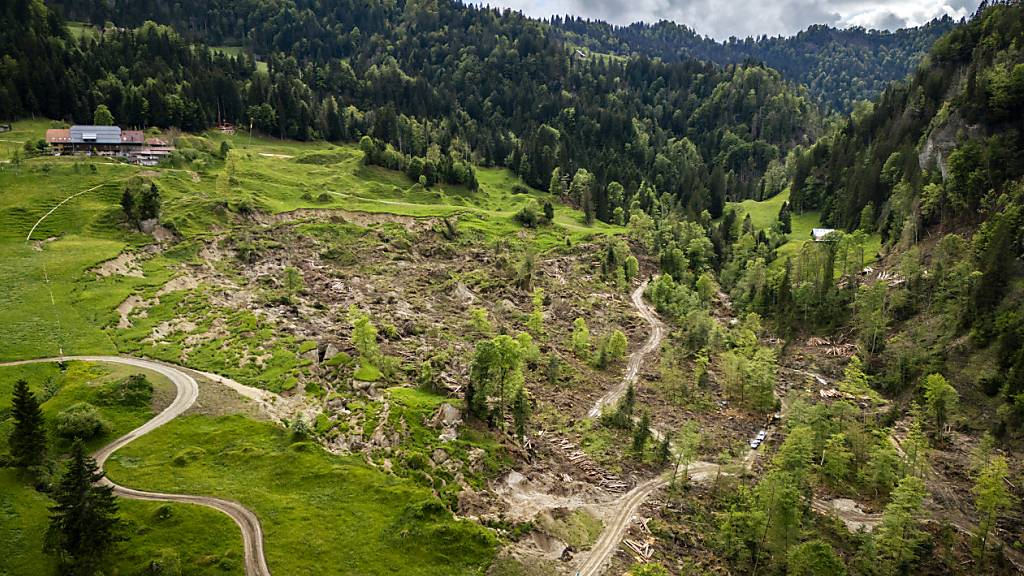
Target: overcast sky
{"points": [[723, 18]]}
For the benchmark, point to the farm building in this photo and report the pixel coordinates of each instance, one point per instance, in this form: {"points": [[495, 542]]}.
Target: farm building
{"points": [[107, 141], [823, 234]]}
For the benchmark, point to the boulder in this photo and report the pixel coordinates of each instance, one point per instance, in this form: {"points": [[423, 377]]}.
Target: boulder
{"points": [[361, 385], [148, 226], [330, 352], [447, 415], [462, 294], [439, 456]]}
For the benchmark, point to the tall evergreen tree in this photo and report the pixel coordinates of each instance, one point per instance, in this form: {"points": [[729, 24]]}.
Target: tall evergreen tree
{"points": [[149, 205], [84, 523], [28, 438]]}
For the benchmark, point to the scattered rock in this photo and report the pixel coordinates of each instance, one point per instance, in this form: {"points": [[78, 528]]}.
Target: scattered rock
{"points": [[362, 386], [462, 294], [447, 415], [125, 264], [439, 456], [148, 226], [330, 352], [165, 329]]}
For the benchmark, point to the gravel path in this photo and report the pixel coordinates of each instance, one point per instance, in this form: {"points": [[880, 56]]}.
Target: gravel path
{"points": [[187, 392]]}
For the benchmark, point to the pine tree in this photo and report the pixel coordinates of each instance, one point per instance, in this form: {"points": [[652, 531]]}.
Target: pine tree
{"points": [[991, 498], [642, 434], [899, 535], [28, 438], [521, 412], [785, 219], [941, 400], [128, 204], [149, 205], [84, 523]]}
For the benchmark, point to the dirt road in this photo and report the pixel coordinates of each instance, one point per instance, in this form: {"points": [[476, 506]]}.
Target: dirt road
{"points": [[626, 507], [637, 358], [628, 504], [187, 392], [616, 528]]}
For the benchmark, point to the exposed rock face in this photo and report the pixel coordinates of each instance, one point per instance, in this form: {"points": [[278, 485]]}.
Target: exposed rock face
{"points": [[942, 140]]}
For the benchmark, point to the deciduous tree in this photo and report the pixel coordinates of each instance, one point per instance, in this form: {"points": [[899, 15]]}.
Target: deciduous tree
{"points": [[941, 400]]}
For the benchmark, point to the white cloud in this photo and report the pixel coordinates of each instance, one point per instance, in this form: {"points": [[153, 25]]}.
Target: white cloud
{"points": [[722, 19]]}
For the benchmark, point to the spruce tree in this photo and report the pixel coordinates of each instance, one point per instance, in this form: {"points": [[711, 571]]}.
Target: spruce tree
{"points": [[28, 438], [521, 412], [641, 434], [84, 523], [149, 206], [128, 204]]}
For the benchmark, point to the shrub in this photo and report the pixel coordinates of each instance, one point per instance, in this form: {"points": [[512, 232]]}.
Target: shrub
{"points": [[187, 455], [135, 390], [81, 420]]}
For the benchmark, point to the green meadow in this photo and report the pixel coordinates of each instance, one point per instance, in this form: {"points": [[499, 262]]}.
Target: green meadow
{"points": [[189, 539], [347, 517], [53, 303], [764, 213]]}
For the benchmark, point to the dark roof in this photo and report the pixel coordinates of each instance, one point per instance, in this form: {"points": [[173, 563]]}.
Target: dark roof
{"points": [[95, 134]]}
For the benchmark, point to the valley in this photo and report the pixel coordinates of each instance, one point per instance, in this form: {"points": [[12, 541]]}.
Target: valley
{"points": [[428, 288]]}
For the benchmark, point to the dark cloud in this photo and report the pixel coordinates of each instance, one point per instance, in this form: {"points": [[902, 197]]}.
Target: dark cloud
{"points": [[721, 18]]}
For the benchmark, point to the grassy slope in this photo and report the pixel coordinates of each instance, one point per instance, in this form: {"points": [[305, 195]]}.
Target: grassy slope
{"points": [[265, 174], [20, 132], [766, 212], [345, 517], [398, 520], [200, 541]]}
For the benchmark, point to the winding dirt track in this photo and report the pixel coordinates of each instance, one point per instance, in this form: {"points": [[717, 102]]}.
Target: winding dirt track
{"points": [[188, 391], [637, 358], [629, 503], [615, 529]]}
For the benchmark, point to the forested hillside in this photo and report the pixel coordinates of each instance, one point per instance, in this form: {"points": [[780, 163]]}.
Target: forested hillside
{"points": [[442, 82], [838, 66], [463, 292], [934, 167]]}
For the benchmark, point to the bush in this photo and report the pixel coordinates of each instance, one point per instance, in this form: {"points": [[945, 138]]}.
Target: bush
{"points": [[532, 215], [81, 420], [134, 390]]}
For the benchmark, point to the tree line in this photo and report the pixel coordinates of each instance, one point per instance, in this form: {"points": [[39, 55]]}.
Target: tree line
{"points": [[478, 85]]}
